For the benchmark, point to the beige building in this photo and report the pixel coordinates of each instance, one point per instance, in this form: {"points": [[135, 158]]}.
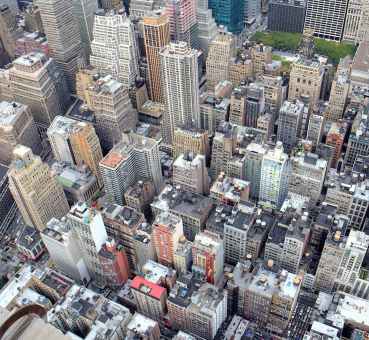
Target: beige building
{"points": [[16, 127], [237, 109], [191, 140], [339, 91], [8, 30], [305, 81], [156, 36], [240, 68], [36, 82], [221, 50], [35, 190], [84, 80], [261, 56], [357, 21], [190, 172]]}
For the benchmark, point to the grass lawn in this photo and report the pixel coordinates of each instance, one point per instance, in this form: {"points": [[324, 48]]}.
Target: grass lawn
{"points": [[290, 41]]}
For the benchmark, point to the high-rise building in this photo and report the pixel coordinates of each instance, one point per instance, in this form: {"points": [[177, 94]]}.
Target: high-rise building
{"points": [[183, 21], [290, 123], [254, 155], [326, 18], [38, 195], [83, 11], [62, 244], [286, 15], [36, 82], [75, 142], [255, 103], [91, 233], [335, 138], [208, 256], [228, 13], [142, 327], [252, 12], [190, 172], [108, 5], [140, 195], [113, 110], [207, 27], [307, 175], [63, 35], [221, 50], [191, 140], [274, 93], [8, 208], [315, 129], [167, 232], [8, 30], [339, 91], [156, 37], [116, 56], [179, 68], [17, 127], [306, 80], [275, 171], [357, 22], [261, 55], [237, 108]]}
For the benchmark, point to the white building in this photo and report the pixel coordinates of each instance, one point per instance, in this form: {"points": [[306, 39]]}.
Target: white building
{"points": [[114, 48], [179, 65], [274, 177], [62, 244]]}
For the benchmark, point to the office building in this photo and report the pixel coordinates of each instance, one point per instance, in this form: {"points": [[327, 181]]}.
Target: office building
{"points": [[306, 80], [91, 234], [115, 5], [191, 140], [182, 257], [156, 37], [142, 327], [325, 18], [63, 35], [207, 27], [179, 66], [356, 23], [254, 155], [29, 244], [237, 108], [113, 110], [277, 289], [240, 68], [122, 224], [62, 245], [150, 298], [35, 189], [255, 103], [144, 245], [8, 30], [252, 12], [275, 171], [290, 123], [190, 172], [339, 91], [31, 42], [167, 231], [335, 138], [116, 56], [261, 56], [37, 83], [286, 15], [196, 307], [182, 21], [307, 175], [221, 50], [192, 208], [76, 143], [32, 18], [83, 11], [228, 13], [17, 127], [315, 129], [140, 195], [78, 182], [208, 256], [8, 208]]}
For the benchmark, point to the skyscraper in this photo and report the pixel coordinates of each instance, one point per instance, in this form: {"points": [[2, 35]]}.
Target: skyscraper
{"points": [[38, 195], [156, 36], [83, 11], [207, 27], [113, 110], [221, 50], [179, 67], [183, 21], [116, 56], [8, 30], [274, 177], [357, 21], [63, 36], [228, 13], [167, 232], [326, 18], [16, 127], [36, 82], [75, 142]]}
